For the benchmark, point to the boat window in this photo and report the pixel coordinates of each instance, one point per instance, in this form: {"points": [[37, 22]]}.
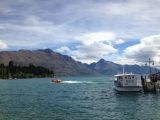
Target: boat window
{"points": [[132, 76], [129, 77]]}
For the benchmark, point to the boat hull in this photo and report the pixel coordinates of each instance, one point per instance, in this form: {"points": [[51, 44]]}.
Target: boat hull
{"points": [[128, 89]]}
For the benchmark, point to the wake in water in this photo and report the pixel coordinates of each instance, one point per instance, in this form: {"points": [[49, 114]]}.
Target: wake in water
{"points": [[76, 82]]}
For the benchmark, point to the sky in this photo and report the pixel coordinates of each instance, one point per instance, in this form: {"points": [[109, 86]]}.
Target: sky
{"points": [[122, 31]]}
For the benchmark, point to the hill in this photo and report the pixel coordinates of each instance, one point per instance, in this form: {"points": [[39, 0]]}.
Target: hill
{"points": [[65, 65], [110, 68], [60, 64]]}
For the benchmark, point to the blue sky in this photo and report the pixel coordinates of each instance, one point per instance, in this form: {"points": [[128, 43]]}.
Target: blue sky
{"points": [[122, 31]]}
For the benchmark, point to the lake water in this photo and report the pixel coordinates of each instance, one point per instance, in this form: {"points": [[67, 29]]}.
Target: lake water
{"points": [[77, 98]]}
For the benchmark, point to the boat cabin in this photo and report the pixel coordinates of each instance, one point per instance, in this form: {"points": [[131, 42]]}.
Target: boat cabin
{"points": [[128, 80]]}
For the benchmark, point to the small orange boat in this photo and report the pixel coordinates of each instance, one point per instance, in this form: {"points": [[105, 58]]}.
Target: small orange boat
{"points": [[56, 81]]}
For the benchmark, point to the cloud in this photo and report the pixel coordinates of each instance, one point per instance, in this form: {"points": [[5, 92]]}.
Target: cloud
{"points": [[91, 46], [72, 23], [127, 18], [88, 53], [84, 16], [3, 45], [149, 47], [63, 50], [36, 25], [33, 32], [32, 20], [106, 37], [90, 38], [119, 41], [93, 52]]}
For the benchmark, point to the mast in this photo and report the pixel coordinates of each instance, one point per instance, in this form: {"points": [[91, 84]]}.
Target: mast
{"points": [[150, 62], [123, 69]]}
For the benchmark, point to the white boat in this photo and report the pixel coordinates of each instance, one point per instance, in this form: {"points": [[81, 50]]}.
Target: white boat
{"points": [[128, 82]]}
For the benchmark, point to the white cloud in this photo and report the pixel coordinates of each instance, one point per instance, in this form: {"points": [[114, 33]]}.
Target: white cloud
{"points": [[90, 38], [3, 45], [149, 47], [88, 53], [63, 50], [92, 46], [105, 37], [119, 41], [93, 52]]}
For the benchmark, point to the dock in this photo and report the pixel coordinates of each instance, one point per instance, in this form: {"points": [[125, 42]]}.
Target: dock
{"points": [[151, 83]]}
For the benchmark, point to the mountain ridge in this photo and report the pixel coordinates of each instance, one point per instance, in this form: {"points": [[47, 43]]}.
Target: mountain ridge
{"points": [[63, 64], [111, 68]]}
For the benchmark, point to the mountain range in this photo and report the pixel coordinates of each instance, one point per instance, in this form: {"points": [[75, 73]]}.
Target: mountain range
{"points": [[111, 68], [65, 65]]}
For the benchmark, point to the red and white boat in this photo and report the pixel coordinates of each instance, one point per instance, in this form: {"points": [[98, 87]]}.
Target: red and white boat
{"points": [[56, 81]]}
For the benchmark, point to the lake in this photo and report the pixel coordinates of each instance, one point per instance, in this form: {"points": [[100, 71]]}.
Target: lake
{"points": [[77, 98]]}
